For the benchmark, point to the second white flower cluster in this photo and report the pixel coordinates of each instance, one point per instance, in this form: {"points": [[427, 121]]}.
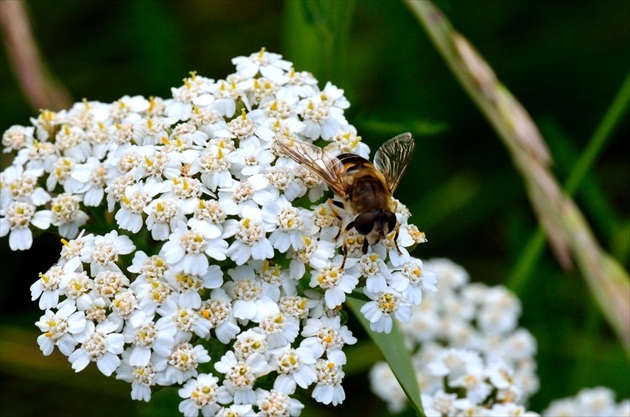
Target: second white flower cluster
{"points": [[469, 355]]}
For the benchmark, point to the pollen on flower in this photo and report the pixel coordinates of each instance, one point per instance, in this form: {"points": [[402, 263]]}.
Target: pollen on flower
{"points": [[124, 133], [145, 335], [279, 177], [204, 394], [17, 137], [369, 264], [248, 343], [65, 207], [51, 280], [247, 290], [78, 285], [223, 144], [104, 254], [63, 168], [116, 189], [176, 144], [183, 357], [20, 214], [185, 319], [329, 276], [387, 303], [95, 345], [243, 192], [240, 377], [193, 242], [137, 202], [275, 404], [263, 88], [288, 362], [97, 134], [250, 231], [213, 163], [145, 375], [328, 373], [96, 313], [416, 235], [294, 306], [154, 268], [354, 241], [271, 275], [315, 111], [216, 311], [159, 291], [211, 211], [305, 253], [41, 151], [273, 324], [165, 211], [186, 187], [227, 90], [56, 328], [98, 177], [128, 162], [242, 127], [324, 216], [289, 219], [347, 141], [277, 109], [188, 282], [124, 304], [154, 163], [412, 271], [109, 283], [23, 186], [330, 338], [69, 137], [204, 116]]}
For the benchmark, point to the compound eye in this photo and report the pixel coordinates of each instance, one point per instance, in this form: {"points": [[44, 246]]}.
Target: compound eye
{"points": [[391, 220], [364, 222]]}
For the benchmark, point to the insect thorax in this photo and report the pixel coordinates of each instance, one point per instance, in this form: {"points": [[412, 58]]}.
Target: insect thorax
{"points": [[368, 192]]}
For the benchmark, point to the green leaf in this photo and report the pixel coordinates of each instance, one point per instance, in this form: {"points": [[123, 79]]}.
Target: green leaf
{"points": [[317, 35], [393, 348]]}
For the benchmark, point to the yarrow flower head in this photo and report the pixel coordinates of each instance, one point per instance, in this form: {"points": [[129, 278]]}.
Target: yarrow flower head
{"points": [[467, 361], [223, 271]]}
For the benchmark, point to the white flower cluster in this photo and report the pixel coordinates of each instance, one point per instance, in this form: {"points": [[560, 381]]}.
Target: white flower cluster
{"points": [[217, 242], [469, 356], [592, 402]]}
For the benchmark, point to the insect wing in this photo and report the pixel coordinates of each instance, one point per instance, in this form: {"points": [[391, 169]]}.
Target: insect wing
{"points": [[393, 157], [320, 162]]}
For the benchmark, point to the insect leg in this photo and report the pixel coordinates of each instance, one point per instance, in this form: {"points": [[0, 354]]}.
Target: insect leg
{"points": [[396, 238], [364, 248], [345, 245], [332, 203], [335, 203]]}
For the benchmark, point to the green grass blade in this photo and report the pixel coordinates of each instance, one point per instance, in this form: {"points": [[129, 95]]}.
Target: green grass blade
{"points": [[393, 348], [316, 36], [613, 117]]}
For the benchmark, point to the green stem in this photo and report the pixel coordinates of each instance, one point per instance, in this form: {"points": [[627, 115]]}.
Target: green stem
{"points": [[602, 135]]}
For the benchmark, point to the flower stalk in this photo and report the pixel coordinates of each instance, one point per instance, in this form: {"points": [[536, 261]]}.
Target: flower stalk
{"points": [[566, 229], [40, 88]]}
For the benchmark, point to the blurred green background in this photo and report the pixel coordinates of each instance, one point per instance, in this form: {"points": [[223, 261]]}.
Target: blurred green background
{"points": [[564, 61]]}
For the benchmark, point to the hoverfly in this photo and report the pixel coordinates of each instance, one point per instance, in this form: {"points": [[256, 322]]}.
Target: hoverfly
{"points": [[365, 188]]}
